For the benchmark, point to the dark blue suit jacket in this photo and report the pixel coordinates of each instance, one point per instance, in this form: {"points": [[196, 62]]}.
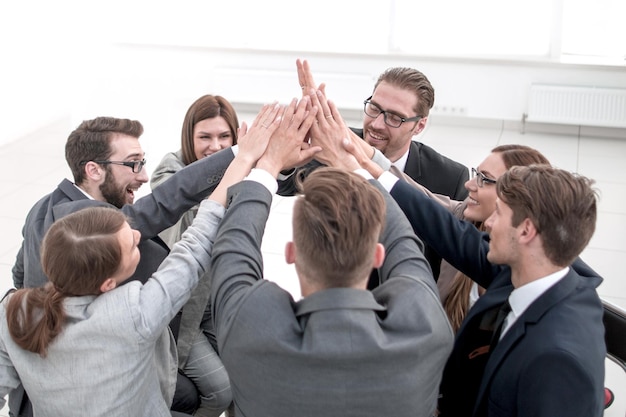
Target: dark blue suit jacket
{"points": [[549, 363]]}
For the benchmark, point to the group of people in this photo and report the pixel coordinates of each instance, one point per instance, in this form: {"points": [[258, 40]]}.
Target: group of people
{"points": [[424, 291]]}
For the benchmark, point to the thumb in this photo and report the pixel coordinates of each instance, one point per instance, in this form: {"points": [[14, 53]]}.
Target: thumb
{"points": [[243, 129]]}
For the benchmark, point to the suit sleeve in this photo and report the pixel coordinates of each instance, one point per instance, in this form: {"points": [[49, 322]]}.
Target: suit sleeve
{"points": [[18, 268], [457, 241], [166, 204], [237, 261], [170, 286], [404, 252]]}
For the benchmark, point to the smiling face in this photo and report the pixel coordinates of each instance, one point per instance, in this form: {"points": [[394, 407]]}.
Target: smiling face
{"points": [[393, 142], [120, 182], [211, 135], [481, 201]]}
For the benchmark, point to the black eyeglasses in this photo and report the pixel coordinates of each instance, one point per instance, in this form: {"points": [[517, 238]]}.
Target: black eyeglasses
{"points": [[481, 179], [136, 166], [391, 119]]}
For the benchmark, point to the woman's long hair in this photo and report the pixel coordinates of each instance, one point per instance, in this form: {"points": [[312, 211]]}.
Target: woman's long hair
{"points": [[78, 253], [457, 303]]}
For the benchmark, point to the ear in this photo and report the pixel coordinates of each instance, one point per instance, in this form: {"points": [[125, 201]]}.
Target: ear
{"points": [[421, 124], [94, 171], [527, 231], [290, 253], [108, 285], [379, 256]]}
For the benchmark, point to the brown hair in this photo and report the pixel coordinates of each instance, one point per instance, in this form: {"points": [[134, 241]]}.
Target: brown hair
{"points": [[561, 205], [413, 80], [206, 107], [513, 155], [456, 304], [91, 141], [336, 225], [78, 253]]}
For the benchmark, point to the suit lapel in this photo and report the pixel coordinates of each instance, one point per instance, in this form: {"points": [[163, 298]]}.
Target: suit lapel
{"points": [[517, 331], [413, 167]]}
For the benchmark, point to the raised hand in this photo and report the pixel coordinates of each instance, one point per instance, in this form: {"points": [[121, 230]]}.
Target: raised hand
{"points": [[328, 132], [352, 145], [305, 78], [253, 141], [288, 147]]}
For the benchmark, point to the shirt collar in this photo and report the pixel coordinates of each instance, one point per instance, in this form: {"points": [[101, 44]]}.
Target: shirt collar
{"points": [[401, 162], [525, 295]]}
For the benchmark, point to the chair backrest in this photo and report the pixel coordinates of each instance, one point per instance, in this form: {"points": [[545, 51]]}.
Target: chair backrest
{"points": [[615, 332]]}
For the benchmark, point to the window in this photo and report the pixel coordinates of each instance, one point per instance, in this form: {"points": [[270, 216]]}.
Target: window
{"points": [[595, 30], [547, 30]]}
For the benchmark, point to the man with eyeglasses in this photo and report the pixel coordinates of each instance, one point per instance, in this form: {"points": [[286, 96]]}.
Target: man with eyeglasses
{"points": [[107, 161], [397, 111]]}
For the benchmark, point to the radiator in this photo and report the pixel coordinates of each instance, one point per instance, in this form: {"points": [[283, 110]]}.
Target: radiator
{"points": [[583, 106]]}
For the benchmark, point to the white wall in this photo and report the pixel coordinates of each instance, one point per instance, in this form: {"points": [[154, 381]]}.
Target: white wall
{"points": [[156, 84]]}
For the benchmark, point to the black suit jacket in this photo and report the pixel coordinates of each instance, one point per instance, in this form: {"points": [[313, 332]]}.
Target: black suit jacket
{"points": [[550, 362]]}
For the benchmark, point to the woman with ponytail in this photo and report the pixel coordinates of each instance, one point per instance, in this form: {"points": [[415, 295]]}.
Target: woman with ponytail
{"points": [[84, 345]]}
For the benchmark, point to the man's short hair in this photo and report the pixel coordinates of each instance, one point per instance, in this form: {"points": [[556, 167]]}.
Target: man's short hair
{"points": [[337, 222], [561, 205], [91, 141], [412, 80]]}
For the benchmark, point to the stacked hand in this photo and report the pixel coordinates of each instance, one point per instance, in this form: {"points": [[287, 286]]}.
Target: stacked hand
{"points": [[288, 146], [253, 141]]}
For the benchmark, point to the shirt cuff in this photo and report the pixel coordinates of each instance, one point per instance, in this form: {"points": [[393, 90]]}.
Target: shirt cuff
{"points": [[283, 175], [235, 149], [264, 178], [364, 173], [387, 180]]}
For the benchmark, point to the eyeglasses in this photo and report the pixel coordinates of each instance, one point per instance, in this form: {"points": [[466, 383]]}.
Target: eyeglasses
{"points": [[136, 166], [391, 119], [481, 179]]}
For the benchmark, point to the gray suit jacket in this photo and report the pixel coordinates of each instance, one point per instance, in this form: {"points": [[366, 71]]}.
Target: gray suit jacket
{"points": [[150, 215], [102, 364], [339, 352]]}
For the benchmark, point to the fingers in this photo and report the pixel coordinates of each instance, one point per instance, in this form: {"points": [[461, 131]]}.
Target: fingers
{"points": [[305, 76], [319, 100], [266, 116], [242, 130]]}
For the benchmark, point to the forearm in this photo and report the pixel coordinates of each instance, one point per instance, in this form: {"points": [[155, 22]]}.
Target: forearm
{"points": [[403, 250], [163, 207], [170, 286], [237, 260], [458, 242], [236, 172]]}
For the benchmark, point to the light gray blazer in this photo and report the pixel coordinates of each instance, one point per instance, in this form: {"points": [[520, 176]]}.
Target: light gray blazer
{"points": [[171, 163], [338, 352], [102, 364], [193, 311]]}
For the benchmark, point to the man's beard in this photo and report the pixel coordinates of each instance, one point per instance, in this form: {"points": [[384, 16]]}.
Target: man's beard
{"points": [[111, 192]]}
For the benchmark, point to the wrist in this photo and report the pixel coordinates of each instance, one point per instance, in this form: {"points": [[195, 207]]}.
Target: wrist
{"points": [[266, 165]]}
